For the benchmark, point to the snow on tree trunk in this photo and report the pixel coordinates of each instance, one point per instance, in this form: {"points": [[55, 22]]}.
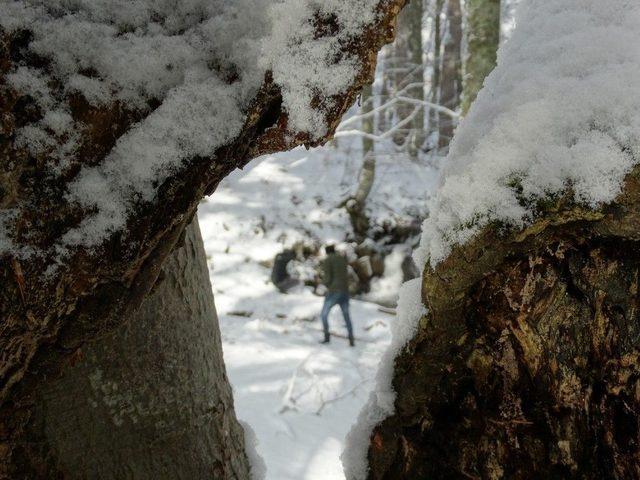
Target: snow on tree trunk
{"points": [[483, 38], [527, 364], [517, 355], [150, 400], [115, 120]]}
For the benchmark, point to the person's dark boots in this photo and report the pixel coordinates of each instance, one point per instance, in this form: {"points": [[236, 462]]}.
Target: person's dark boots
{"points": [[327, 339], [352, 342]]}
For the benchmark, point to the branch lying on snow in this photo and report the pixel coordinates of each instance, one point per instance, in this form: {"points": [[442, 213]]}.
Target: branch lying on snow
{"points": [[89, 252], [289, 400], [351, 391]]}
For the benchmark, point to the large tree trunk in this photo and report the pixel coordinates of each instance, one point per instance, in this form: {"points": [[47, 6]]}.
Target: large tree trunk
{"points": [[483, 38], [527, 364], [53, 303], [149, 401]]}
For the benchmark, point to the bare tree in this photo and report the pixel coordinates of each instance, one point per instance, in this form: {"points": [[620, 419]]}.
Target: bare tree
{"points": [[451, 80], [356, 204], [436, 63], [415, 13]]}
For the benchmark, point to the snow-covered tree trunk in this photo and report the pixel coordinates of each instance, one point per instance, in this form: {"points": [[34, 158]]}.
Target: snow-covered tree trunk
{"points": [[150, 400], [483, 38], [115, 120], [517, 355], [527, 364]]}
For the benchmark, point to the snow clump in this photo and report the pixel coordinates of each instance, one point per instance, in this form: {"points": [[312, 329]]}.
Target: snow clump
{"points": [[562, 109], [202, 60]]}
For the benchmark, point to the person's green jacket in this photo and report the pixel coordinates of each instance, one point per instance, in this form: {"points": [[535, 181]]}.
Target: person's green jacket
{"points": [[335, 274]]}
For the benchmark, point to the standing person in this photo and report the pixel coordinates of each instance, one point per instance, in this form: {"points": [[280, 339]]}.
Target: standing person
{"points": [[336, 279]]}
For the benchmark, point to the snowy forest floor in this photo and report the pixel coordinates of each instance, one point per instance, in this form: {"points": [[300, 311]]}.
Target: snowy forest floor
{"points": [[300, 397]]}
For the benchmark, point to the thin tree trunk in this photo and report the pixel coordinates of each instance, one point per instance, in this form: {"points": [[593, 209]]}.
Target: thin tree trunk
{"points": [[483, 38], [451, 82], [384, 117], [414, 18], [527, 364], [356, 205], [437, 59], [149, 401], [401, 72]]}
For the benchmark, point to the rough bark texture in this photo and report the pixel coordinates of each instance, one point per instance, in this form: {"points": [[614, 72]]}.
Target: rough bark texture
{"points": [[526, 365], [46, 318], [483, 38], [149, 401]]}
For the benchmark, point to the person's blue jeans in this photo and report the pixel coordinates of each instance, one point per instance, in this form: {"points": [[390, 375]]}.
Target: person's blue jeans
{"points": [[330, 301]]}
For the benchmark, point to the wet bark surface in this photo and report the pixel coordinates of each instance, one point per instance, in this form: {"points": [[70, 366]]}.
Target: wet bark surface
{"points": [[527, 364]]}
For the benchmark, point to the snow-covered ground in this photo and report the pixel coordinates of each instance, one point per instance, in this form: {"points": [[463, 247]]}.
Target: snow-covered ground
{"points": [[300, 397]]}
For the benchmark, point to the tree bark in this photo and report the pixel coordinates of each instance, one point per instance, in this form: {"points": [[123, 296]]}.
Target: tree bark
{"points": [[434, 117], [149, 401], [451, 82], [404, 70], [415, 14], [356, 205], [527, 364], [483, 38], [46, 318]]}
